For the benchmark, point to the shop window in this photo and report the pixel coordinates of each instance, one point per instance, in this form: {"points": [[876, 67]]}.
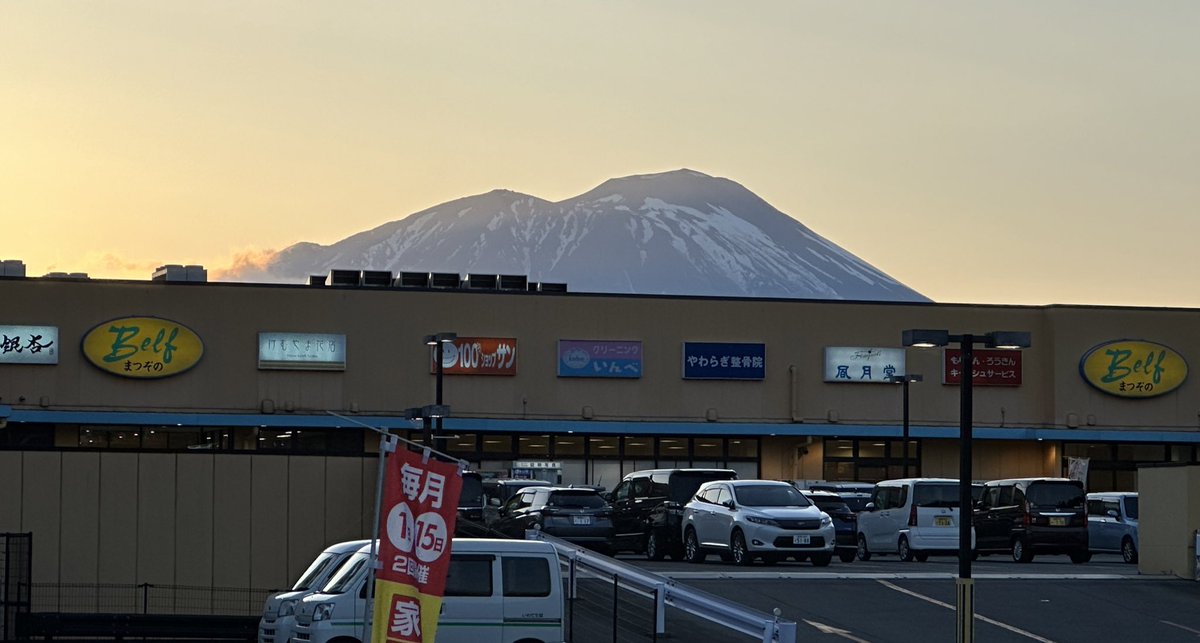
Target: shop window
{"points": [[673, 449], [604, 447], [839, 449], [742, 448], [707, 448], [639, 446], [461, 444], [533, 445], [497, 445], [839, 471], [1182, 453], [26, 436], [568, 445], [872, 448], [1141, 452], [345, 441]]}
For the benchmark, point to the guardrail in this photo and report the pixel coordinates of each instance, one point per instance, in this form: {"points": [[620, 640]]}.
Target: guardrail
{"points": [[667, 592]]}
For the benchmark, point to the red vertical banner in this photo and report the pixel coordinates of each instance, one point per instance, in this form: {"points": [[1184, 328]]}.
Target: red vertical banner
{"points": [[419, 508]]}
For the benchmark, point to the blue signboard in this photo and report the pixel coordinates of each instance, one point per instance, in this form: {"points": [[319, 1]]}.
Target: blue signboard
{"points": [[713, 361], [599, 358]]}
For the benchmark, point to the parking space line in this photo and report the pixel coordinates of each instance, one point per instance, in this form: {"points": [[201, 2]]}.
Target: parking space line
{"points": [[1015, 630], [836, 631], [1183, 627]]}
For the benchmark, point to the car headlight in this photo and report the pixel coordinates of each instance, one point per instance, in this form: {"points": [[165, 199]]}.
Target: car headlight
{"points": [[826, 520], [759, 520], [287, 608], [323, 611]]}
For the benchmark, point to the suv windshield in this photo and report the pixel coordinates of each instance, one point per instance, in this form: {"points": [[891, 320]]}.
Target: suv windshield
{"points": [[935, 494], [830, 505], [575, 499], [683, 484], [345, 575], [1131, 507], [1056, 495], [774, 495]]}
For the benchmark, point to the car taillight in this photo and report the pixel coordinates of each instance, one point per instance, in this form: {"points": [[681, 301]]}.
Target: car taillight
{"points": [[912, 516], [1028, 517], [550, 512]]}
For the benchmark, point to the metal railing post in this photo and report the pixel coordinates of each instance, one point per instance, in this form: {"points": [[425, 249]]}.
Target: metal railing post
{"points": [[616, 600], [660, 610]]}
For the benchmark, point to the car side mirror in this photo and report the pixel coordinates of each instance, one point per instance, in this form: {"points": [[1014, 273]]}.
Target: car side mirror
{"points": [[494, 502], [729, 504], [1113, 513], [607, 497], [870, 506]]}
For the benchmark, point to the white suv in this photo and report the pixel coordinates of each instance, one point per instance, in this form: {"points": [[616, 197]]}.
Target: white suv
{"points": [[913, 517], [747, 519]]}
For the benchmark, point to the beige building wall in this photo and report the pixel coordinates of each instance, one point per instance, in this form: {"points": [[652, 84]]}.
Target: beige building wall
{"points": [[1169, 515], [182, 519]]}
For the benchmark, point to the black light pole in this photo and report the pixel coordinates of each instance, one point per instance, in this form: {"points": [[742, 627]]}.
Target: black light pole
{"points": [[905, 380], [996, 339], [438, 341]]}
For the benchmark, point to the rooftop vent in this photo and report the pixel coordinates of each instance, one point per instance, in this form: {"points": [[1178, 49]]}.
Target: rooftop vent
{"points": [[513, 282], [65, 275], [551, 287], [345, 277], [413, 280], [12, 268], [316, 280], [382, 278], [176, 272], [481, 282], [444, 280]]}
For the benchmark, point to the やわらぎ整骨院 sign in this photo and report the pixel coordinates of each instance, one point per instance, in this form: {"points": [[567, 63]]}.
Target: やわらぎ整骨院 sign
{"points": [[1133, 368], [142, 347]]}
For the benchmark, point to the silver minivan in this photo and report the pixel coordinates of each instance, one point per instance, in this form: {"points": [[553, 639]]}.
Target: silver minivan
{"points": [[911, 517], [1113, 523]]}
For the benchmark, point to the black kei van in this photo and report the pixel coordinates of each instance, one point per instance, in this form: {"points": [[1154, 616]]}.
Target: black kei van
{"points": [[1027, 516]]}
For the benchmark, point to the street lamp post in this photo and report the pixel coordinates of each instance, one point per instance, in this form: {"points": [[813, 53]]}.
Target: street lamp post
{"points": [[924, 338], [905, 380], [438, 341]]}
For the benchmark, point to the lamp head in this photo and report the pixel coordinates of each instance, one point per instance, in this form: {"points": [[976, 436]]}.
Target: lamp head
{"points": [[1011, 339], [911, 377], [434, 340], [925, 338]]}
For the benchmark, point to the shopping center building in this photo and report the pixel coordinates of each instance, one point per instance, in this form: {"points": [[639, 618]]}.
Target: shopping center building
{"points": [[216, 434]]}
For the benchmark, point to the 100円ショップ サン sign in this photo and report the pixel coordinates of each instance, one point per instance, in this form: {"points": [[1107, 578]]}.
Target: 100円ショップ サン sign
{"points": [[420, 507], [476, 356], [142, 347]]}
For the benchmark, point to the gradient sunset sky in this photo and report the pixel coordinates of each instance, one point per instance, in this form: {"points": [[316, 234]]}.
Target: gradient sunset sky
{"points": [[986, 152]]}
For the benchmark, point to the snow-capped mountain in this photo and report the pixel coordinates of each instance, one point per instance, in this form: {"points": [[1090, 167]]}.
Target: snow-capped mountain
{"points": [[676, 233]]}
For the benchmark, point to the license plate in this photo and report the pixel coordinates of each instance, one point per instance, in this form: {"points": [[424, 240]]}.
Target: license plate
{"points": [[1058, 521], [801, 540], [581, 520], [941, 521]]}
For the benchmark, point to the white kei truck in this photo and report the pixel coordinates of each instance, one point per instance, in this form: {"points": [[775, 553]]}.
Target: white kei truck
{"points": [[278, 615], [497, 591]]}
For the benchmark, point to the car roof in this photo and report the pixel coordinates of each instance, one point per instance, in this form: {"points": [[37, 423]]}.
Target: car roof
{"points": [[819, 493], [647, 472], [515, 481], [1112, 494], [344, 547], [1027, 480], [565, 487], [915, 480], [500, 544]]}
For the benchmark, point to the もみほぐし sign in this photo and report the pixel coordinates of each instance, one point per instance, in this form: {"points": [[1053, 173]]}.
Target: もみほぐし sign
{"points": [[1133, 368], [142, 347]]}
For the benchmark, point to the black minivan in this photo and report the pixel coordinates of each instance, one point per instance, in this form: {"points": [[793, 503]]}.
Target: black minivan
{"points": [[648, 508], [1027, 516]]}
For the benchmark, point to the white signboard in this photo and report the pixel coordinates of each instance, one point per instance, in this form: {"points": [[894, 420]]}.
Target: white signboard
{"points": [[862, 364], [302, 351], [28, 344]]}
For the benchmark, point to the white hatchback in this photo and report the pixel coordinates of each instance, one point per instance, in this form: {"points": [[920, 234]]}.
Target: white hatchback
{"points": [[912, 517]]}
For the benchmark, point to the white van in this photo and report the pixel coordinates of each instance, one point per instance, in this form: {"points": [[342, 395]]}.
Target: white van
{"points": [[275, 626], [497, 591], [912, 517]]}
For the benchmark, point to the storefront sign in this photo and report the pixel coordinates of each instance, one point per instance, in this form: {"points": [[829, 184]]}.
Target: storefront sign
{"points": [[476, 356], [143, 347], [421, 501], [599, 358], [1133, 368], [991, 367], [714, 361], [28, 344], [302, 351], [859, 364]]}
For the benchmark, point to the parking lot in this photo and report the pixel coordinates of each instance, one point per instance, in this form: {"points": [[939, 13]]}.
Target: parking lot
{"points": [[886, 601]]}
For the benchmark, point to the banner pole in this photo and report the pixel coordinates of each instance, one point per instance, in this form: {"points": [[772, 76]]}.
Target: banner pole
{"points": [[387, 444]]}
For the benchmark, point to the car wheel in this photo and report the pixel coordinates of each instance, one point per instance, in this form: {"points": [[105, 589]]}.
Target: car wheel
{"points": [[1021, 553], [737, 547], [906, 554], [1129, 553], [653, 547], [846, 556], [821, 560], [863, 553], [1079, 557], [692, 552]]}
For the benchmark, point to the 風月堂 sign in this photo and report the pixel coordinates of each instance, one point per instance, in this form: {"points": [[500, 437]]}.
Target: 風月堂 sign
{"points": [[863, 364]]}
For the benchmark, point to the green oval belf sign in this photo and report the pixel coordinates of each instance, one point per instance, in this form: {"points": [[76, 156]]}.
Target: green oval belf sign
{"points": [[1133, 368], [143, 347]]}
